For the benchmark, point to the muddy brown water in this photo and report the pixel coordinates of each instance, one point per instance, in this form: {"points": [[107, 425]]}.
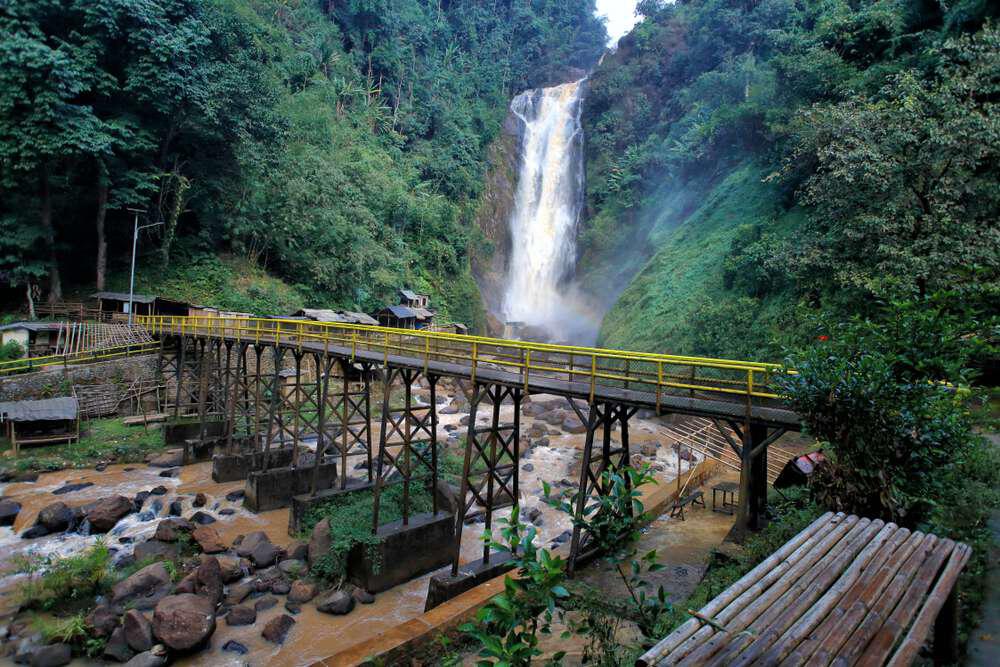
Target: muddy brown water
{"points": [[314, 635]]}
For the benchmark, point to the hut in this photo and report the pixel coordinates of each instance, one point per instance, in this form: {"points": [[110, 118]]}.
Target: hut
{"points": [[398, 317], [412, 299], [116, 303], [37, 339], [41, 422], [339, 316]]}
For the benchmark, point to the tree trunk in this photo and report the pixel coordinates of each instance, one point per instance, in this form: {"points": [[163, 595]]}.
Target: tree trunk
{"points": [[55, 281], [102, 211], [31, 303]]}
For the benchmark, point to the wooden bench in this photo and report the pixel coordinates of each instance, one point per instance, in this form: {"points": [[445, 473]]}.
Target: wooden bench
{"points": [[845, 590], [695, 498]]}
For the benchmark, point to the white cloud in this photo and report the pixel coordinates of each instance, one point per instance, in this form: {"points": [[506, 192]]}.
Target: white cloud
{"points": [[621, 17]]}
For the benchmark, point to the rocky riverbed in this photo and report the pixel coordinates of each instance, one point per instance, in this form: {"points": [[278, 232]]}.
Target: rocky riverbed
{"points": [[240, 591]]}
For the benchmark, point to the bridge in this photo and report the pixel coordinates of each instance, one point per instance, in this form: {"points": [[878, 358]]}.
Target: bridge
{"points": [[257, 385]]}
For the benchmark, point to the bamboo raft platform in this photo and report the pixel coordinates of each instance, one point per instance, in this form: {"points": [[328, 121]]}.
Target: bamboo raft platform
{"points": [[844, 591]]}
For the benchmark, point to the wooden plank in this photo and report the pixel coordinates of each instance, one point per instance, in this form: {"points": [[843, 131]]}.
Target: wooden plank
{"points": [[915, 638], [845, 530], [778, 617], [878, 649], [871, 557], [839, 623], [752, 591], [883, 605]]}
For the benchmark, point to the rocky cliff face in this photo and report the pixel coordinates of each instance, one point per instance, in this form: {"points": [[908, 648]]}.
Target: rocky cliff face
{"points": [[489, 265]]}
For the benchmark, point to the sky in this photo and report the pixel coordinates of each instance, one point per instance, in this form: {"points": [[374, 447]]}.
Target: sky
{"points": [[621, 17]]}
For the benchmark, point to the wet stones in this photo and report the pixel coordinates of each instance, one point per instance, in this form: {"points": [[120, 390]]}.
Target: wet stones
{"points": [[302, 592], [319, 542], [337, 603], [102, 621], [572, 424], [277, 629], [143, 590], [265, 603], [183, 622], [263, 554], [208, 579], [242, 614], [117, 649], [170, 530], [138, 631], [199, 500], [233, 646], [236, 495], [249, 541], [106, 512], [362, 596], [70, 488], [208, 539], [156, 549], [171, 459], [9, 509], [233, 569], [202, 518], [292, 567], [154, 657], [53, 655], [237, 593], [158, 491], [56, 517]]}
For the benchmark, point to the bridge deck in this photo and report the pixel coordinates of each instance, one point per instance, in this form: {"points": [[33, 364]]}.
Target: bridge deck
{"points": [[652, 394]]}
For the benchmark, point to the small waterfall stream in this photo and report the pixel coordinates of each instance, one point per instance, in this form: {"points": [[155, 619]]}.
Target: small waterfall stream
{"points": [[547, 208]]}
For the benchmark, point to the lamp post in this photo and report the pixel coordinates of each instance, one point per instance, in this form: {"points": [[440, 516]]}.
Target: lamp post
{"points": [[135, 243]]}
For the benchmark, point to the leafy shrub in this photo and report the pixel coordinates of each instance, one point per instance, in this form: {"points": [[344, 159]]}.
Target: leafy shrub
{"points": [[58, 583], [11, 350]]}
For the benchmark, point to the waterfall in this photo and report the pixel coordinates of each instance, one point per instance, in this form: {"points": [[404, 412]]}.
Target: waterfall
{"points": [[547, 207]]}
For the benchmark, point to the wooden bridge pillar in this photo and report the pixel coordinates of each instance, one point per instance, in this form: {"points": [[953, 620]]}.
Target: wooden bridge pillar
{"points": [[492, 460], [602, 418]]}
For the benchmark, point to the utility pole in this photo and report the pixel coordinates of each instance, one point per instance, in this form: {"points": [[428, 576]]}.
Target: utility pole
{"points": [[135, 244]]}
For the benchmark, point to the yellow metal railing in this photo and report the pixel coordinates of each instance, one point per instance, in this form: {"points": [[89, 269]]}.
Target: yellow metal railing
{"points": [[30, 364], [644, 375]]}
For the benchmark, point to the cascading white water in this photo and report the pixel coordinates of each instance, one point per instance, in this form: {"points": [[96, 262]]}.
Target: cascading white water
{"points": [[547, 208]]}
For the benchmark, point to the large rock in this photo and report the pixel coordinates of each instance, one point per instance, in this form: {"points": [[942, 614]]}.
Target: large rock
{"points": [[138, 631], [251, 540], [155, 549], [336, 602], [171, 459], [292, 567], [277, 628], [208, 539], [302, 591], [183, 622], [233, 569], [142, 590], [170, 530], [208, 579], [102, 621], [264, 554], [9, 509], [319, 543], [117, 649], [53, 655], [56, 517], [155, 657], [572, 424], [242, 614], [106, 512], [237, 593]]}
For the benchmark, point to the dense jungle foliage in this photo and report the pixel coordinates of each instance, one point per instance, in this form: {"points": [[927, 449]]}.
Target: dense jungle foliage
{"points": [[338, 144], [776, 158]]}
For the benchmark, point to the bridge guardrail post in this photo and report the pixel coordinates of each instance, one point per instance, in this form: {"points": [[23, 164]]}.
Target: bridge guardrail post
{"points": [[475, 360], [659, 387], [593, 377]]}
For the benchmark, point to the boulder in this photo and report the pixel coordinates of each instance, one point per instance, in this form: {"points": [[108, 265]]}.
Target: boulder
{"points": [[142, 590], [648, 449], [156, 549], [335, 602], [53, 655], [572, 424], [208, 579], [281, 587], [199, 500], [362, 596], [170, 530], [175, 508], [170, 459], [242, 614], [106, 512], [292, 567], [56, 517], [554, 417], [277, 628], [158, 491], [70, 488], [249, 541], [38, 530], [208, 539], [236, 495], [293, 608], [138, 631], [264, 604], [233, 646], [117, 649], [263, 554], [184, 621], [320, 541], [188, 584], [202, 518], [237, 593], [298, 551], [302, 591], [101, 621], [233, 569], [155, 657]]}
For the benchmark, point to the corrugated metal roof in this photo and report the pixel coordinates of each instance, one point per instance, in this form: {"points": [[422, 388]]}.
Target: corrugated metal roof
{"points": [[409, 294], [33, 326], [123, 296], [49, 409], [422, 313], [359, 318], [401, 312]]}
